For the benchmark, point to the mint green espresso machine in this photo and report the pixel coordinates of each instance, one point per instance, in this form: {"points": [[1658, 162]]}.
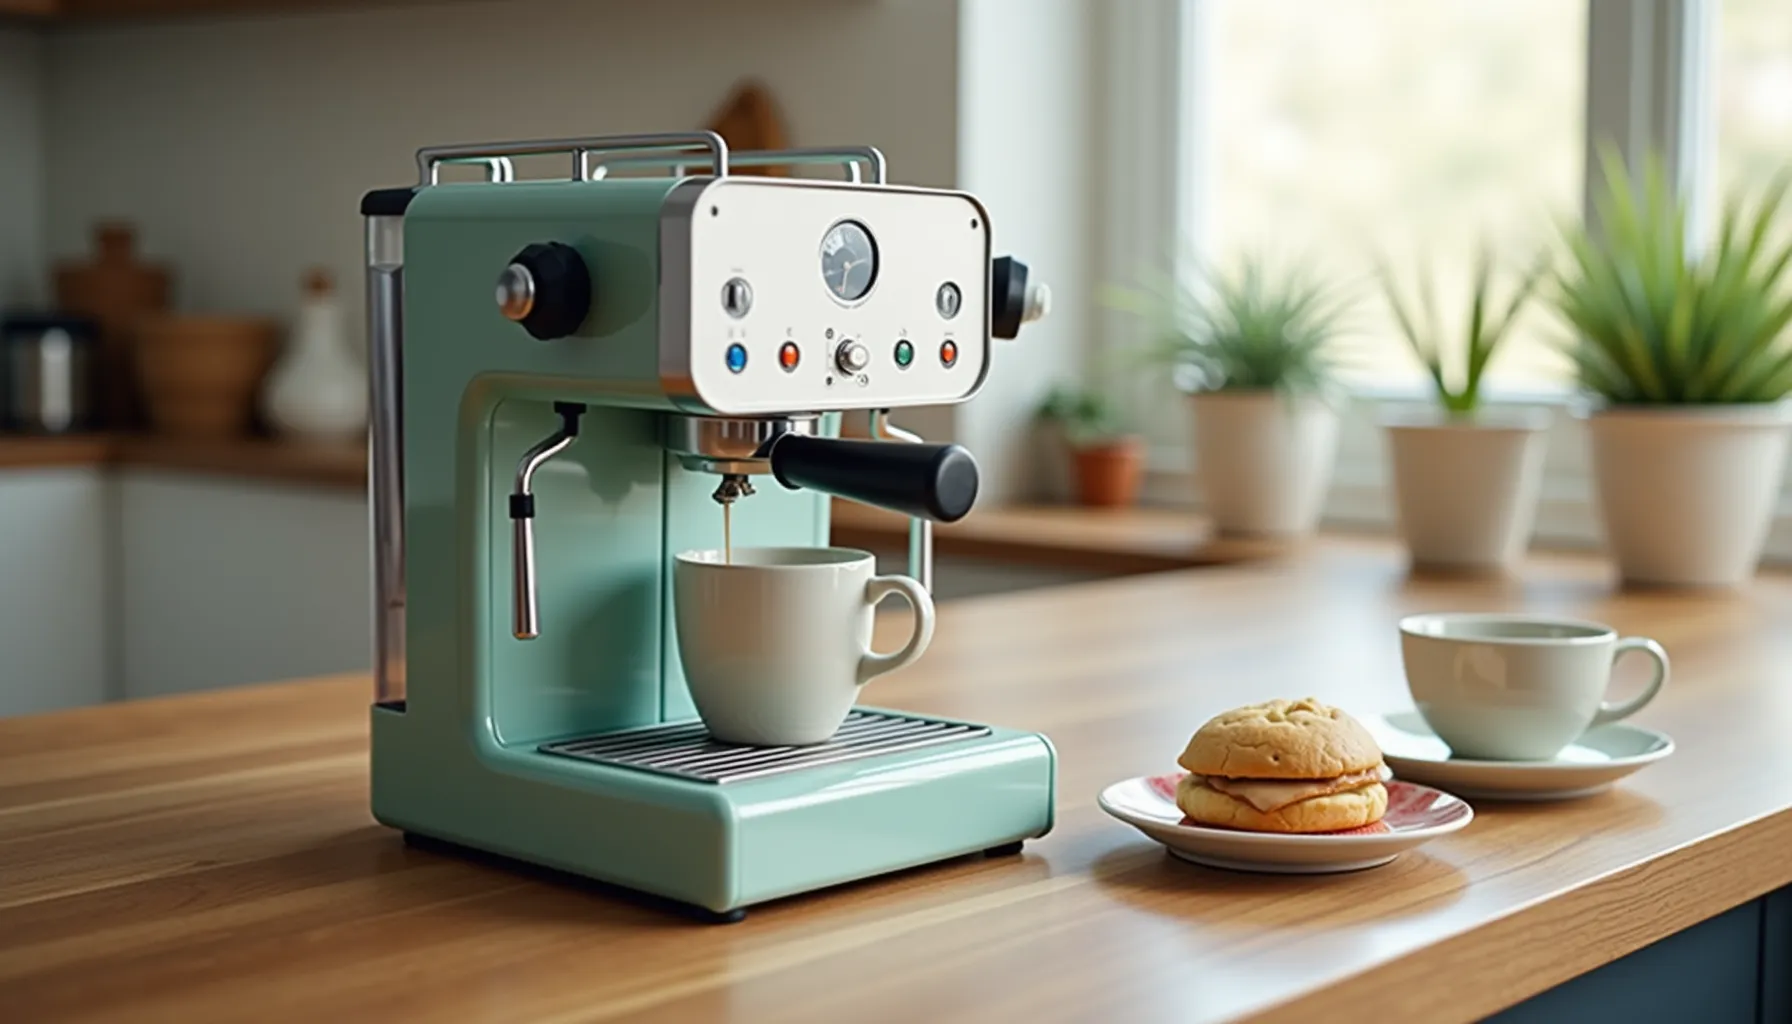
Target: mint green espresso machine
{"points": [[573, 381]]}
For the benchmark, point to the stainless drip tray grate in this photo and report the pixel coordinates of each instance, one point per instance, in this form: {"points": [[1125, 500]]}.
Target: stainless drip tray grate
{"points": [[687, 751]]}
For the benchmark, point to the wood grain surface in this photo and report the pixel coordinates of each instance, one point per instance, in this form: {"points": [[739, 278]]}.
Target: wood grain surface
{"points": [[211, 858]]}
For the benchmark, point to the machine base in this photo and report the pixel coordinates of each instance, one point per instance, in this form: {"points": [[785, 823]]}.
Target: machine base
{"points": [[720, 846], [515, 865]]}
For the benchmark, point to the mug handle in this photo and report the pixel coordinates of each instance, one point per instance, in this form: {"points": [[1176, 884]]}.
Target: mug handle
{"points": [[877, 588], [1613, 712]]}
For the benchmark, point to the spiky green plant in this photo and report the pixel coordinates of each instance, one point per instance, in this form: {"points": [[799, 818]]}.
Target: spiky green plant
{"points": [[1251, 330], [1456, 362], [1655, 324]]}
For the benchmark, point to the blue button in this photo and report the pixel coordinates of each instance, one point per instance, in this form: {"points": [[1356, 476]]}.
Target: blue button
{"points": [[737, 357]]}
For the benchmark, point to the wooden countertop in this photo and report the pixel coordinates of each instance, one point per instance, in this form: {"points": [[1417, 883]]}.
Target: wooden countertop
{"points": [[186, 858], [333, 465]]}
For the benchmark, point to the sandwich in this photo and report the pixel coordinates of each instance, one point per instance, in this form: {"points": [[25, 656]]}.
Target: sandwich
{"points": [[1283, 766]]}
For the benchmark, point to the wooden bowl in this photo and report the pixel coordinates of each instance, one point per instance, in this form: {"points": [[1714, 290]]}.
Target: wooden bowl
{"points": [[201, 373]]}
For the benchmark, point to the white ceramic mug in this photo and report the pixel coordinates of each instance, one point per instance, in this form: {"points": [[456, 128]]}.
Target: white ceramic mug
{"points": [[1517, 687], [777, 643]]}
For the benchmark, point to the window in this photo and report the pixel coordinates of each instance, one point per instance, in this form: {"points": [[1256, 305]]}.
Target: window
{"points": [[1412, 129], [1752, 93], [1331, 131]]}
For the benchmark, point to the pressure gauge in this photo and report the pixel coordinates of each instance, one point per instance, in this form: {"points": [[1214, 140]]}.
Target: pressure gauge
{"points": [[848, 260]]}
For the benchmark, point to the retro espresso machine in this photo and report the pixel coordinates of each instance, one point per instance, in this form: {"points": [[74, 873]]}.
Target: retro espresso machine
{"points": [[572, 379]]}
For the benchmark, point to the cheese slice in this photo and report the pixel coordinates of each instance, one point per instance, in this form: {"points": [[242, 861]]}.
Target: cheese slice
{"points": [[1268, 795]]}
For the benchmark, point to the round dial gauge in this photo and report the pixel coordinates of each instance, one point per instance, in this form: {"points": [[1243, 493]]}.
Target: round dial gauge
{"points": [[848, 260]]}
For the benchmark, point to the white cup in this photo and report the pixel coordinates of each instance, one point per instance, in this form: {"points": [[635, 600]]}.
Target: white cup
{"points": [[1516, 687], [777, 643]]}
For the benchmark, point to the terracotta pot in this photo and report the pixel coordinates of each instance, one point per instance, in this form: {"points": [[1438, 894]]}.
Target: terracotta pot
{"points": [[116, 289], [201, 373], [1264, 460], [1686, 495], [1465, 491], [1108, 475]]}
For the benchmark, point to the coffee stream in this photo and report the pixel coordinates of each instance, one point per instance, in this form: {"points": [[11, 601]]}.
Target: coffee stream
{"points": [[728, 533]]}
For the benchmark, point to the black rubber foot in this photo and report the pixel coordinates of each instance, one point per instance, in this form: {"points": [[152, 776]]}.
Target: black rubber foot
{"points": [[1004, 850], [735, 916]]}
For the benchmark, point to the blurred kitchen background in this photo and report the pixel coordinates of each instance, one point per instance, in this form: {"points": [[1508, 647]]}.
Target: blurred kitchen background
{"points": [[182, 476]]}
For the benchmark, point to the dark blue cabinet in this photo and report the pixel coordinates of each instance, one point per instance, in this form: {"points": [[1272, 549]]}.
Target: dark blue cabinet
{"points": [[1735, 968]]}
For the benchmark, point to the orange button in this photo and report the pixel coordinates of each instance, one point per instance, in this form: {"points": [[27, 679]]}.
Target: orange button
{"points": [[789, 356], [948, 352]]}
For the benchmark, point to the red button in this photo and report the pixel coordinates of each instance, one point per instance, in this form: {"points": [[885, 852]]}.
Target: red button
{"points": [[948, 352], [789, 356]]}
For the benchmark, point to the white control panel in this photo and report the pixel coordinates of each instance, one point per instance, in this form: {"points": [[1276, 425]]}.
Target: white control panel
{"points": [[820, 296]]}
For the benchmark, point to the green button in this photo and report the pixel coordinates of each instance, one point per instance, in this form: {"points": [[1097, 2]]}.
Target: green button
{"points": [[905, 353]]}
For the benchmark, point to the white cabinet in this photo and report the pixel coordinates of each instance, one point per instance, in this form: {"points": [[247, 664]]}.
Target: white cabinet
{"points": [[55, 615], [228, 581]]}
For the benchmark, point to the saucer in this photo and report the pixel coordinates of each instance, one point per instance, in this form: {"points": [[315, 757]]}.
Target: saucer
{"points": [[1601, 756], [1415, 815]]}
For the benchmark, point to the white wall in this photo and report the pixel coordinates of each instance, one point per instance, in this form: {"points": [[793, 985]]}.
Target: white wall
{"points": [[1026, 99], [242, 146], [21, 168]]}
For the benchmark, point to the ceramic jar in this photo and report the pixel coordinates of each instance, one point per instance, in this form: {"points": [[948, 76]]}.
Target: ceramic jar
{"points": [[318, 390], [115, 289]]}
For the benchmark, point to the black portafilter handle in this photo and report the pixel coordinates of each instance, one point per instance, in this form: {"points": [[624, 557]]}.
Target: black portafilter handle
{"points": [[930, 481]]}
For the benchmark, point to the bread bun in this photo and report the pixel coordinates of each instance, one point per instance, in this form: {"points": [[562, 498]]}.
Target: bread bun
{"points": [[1330, 813], [1281, 739]]}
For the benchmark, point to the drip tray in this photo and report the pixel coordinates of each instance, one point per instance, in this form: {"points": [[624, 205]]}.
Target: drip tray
{"points": [[685, 750]]}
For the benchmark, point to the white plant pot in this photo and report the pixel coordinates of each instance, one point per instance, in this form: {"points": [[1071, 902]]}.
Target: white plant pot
{"points": [[1466, 491], [1686, 495], [1264, 460]]}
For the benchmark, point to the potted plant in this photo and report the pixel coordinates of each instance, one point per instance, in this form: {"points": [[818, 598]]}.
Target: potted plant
{"points": [[1107, 459], [1254, 352], [1686, 360], [1466, 478]]}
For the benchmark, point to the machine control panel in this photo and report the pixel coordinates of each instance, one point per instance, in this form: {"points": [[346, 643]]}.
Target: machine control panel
{"points": [[810, 295]]}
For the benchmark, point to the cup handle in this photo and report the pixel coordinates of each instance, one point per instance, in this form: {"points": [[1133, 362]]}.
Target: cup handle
{"points": [[877, 588], [1613, 712]]}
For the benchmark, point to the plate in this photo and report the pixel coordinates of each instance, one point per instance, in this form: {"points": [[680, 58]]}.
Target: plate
{"points": [[1416, 814], [1600, 757]]}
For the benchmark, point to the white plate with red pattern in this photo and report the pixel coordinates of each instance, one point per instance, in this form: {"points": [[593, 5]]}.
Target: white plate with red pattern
{"points": [[1416, 814]]}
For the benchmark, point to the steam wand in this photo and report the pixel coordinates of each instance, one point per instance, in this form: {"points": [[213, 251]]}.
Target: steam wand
{"points": [[524, 612], [920, 528]]}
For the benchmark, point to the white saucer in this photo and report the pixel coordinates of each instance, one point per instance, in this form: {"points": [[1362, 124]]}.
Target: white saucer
{"points": [[1416, 814], [1601, 756]]}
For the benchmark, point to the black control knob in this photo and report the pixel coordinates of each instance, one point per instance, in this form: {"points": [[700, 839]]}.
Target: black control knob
{"points": [[1012, 299], [932, 481], [547, 289]]}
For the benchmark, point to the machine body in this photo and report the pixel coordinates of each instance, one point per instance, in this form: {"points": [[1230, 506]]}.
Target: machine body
{"points": [[571, 379]]}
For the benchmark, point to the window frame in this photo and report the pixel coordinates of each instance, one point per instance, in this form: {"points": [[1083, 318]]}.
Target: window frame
{"points": [[1648, 87]]}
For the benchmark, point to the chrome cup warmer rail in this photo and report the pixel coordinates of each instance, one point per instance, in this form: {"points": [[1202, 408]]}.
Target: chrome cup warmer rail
{"points": [[712, 446]]}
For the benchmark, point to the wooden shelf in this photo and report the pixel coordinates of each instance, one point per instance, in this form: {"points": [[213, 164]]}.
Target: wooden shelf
{"points": [[111, 10], [333, 465], [1121, 541]]}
